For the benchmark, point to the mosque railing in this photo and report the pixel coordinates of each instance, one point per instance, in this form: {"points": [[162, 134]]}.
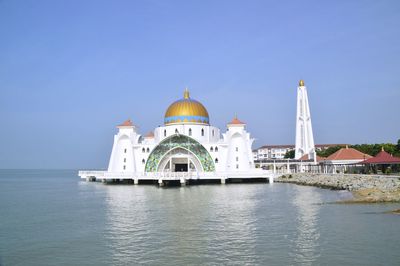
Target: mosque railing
{"points": [[175, 175]]}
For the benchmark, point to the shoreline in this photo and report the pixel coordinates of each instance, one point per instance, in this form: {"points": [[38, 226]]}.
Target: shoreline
{"points": [[364, 188]]}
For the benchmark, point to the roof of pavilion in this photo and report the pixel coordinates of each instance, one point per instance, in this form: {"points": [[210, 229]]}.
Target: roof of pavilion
{"points": [[236, 121], [306, 157], [127, 123], [382, 157], [348, 154]]}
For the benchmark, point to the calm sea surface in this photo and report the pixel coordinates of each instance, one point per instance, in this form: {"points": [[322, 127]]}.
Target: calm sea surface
{"points": [[53, 218]]}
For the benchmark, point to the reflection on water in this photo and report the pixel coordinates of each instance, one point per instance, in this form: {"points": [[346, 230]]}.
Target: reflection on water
{"points": [[127, 223], [306, 240], [191, 225]]}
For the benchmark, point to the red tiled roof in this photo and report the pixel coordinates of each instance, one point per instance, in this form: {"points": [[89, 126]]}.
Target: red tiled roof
{"points": [[150, 134], [383, 158], [236, 121], [348, 154], [305, 158], [127, 123]]}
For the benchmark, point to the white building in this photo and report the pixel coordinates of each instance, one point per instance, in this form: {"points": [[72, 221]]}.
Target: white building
{"points": [[271, 152], [187, 142]]}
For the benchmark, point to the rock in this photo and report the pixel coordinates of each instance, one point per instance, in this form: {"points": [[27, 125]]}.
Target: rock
{"points": [[365, 188]]}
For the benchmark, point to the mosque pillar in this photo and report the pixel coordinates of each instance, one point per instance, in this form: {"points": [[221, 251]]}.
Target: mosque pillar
{"points": [[136, 181], [183, 181], [223, 180], [160, 182], [288, 167]]}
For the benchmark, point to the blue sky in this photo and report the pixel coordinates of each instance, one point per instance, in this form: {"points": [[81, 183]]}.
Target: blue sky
{"points": [[72, 70]]}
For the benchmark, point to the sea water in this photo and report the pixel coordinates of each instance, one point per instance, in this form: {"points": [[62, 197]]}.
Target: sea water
{"points": [[51, 217]]}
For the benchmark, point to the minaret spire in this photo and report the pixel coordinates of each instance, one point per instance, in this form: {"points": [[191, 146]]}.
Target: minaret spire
{"points": [[186, 93], [304, 132]]}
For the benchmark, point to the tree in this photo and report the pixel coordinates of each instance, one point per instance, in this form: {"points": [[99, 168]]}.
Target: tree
{"points": [[289, 154], [328, 151]]}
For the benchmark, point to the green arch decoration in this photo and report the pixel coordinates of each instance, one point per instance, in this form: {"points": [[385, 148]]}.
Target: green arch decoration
{"points": [[181, 141]]}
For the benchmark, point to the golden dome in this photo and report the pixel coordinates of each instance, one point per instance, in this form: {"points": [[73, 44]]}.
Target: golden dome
{"points": [[186, 110], [301, 83]]}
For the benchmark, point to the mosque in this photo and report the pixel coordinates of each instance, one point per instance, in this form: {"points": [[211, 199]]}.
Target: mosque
{"points": [[187, 147], [186, 143]]}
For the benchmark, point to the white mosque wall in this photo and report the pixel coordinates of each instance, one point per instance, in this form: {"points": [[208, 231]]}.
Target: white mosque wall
{"points": [[232, 152], [122, 156], [239, 153], [201, 133]]}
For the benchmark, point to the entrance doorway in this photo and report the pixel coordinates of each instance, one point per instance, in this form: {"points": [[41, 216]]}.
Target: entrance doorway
{"points": [[181, 167], [179, 160]]}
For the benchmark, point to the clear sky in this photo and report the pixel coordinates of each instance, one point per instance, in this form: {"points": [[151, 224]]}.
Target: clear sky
{"points": [[70, 71]]}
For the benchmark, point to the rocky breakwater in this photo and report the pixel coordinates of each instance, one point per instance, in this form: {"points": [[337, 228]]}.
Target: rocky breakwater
{"points": [[365, 188]]}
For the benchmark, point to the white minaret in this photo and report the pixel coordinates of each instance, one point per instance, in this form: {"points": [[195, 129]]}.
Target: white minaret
{"points": [[304, 133]]}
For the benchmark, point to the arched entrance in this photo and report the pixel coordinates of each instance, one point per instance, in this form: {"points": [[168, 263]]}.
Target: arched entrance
{"points": [[179, 160], [185, 148]]}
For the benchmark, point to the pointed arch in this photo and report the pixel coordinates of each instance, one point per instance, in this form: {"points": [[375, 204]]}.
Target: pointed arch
{"points": [[184, 142]]}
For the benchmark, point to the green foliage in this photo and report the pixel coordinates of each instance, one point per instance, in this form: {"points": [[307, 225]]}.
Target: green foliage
{"points": [[371, 149], [388, 171], [289, 154], [374, 149], [329, 151], [398, 146]]}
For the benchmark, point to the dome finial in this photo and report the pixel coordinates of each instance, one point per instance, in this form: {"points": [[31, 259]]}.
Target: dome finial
{"points": [[186, 94], [301, 83]]}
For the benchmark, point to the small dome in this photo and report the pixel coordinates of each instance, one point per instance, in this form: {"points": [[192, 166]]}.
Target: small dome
{"points": [[186, 110], [301, 83]]}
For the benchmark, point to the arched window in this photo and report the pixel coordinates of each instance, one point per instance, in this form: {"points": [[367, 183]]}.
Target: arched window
{"points": [[176, 131], [211, 149], [237, 149], [124, 167], [143, 161], [124, 160], [143, 150], [213, 132], [216, 149], [202, 132], [124, 150], [190, 131], [165, 132], [237, 159], [148, 150], [237, 166], [216, 160]]}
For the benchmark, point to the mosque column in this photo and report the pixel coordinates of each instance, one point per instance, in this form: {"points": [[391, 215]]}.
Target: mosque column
{"points": [[183, 181], [288, 166]]}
